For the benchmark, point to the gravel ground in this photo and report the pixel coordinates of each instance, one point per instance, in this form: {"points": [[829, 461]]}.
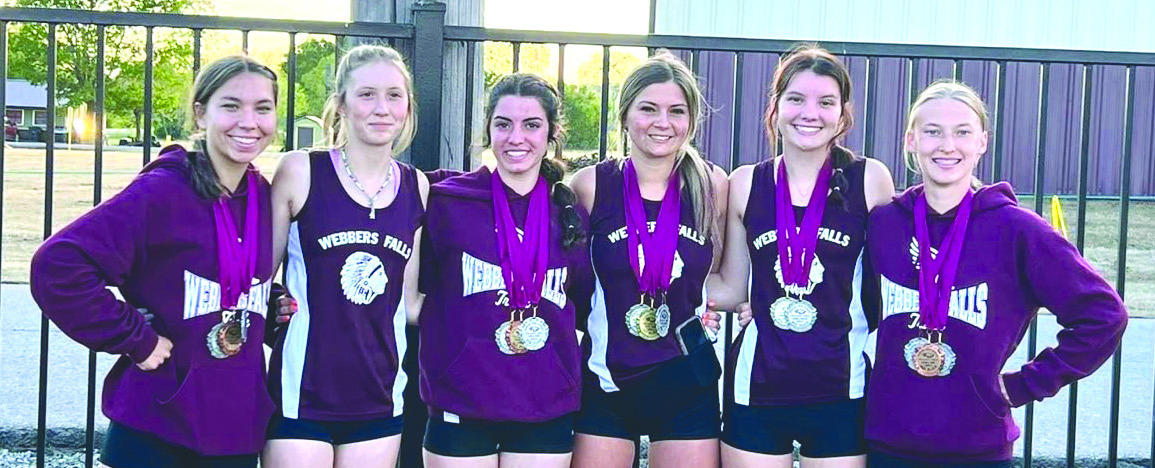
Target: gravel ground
{"points": [[56, 459]]}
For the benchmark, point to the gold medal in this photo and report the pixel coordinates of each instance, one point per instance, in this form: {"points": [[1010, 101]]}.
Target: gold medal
{"points": [[633, 324], [512, 337], [499, 336]]}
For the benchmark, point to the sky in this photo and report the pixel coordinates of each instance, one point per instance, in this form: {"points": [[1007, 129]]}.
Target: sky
{"points": [[611, 16]]}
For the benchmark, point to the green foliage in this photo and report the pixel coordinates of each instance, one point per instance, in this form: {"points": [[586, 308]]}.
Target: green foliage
{"points": [[76, 52], [315, 68], [583, 116]]}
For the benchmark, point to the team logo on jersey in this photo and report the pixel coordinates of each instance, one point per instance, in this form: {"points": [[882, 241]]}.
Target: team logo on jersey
{"points": [[817, 271], [478, 276], [914, 252], [675, 270], [363, 278], [967, 304], [203, 296]]}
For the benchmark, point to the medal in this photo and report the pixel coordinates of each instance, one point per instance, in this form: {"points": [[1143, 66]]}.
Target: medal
{"points": [[932, 357], [523, 267], [236, 263], [796, 315], [796, 249], [929, 358], [533, 332], [653, 265]]}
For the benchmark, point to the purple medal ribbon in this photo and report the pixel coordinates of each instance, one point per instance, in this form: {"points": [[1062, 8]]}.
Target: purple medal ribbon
{"points": [[936, 275], [237, 252], [796, 246], [523, 262], [659, 247]]}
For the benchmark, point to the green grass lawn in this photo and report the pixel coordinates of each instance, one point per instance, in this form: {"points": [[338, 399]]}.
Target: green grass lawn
{"points": [[23, 216]]}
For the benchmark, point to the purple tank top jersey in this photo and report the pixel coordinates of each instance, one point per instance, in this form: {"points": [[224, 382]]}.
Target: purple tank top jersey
{"points": [[781, 360], [339, 358], [612, 354]]}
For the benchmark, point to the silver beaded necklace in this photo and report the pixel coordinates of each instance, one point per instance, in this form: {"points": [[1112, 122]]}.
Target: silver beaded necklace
{"points": [[357, 183]]}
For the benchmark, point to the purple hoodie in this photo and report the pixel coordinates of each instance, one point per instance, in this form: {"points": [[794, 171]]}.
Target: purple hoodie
{"points": [[462, 370], [156, 242], [1012, 263]]}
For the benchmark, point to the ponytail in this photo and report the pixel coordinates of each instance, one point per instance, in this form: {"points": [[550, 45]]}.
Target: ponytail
{"points": [[565, 199]]}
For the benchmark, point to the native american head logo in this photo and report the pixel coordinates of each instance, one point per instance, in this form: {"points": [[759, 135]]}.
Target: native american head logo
{"points": [[816, 273], [363, 278], [914, 252]]}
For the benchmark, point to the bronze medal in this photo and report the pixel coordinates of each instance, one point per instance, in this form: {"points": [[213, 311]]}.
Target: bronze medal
{"points": [[500, 337], [225, 339], [512, 338], [929, 358]]}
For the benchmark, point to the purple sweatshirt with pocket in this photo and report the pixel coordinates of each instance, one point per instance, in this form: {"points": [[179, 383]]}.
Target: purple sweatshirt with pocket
{"points": [[1012, 264], [463, 371], [156, 242]]}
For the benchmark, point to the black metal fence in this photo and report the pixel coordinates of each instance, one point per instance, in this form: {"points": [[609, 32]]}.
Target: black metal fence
{"points": [[425, 41]]}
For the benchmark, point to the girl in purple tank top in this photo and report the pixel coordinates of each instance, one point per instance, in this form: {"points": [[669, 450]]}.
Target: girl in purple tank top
{"points": [[794, 248], [654, 217], [350, 219], [190, 241], [963, 269], [505, 269]]}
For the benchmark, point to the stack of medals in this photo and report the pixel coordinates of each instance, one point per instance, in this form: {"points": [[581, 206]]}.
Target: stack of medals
{"points": [[653, 266], [929, 355], [236, 263], [796, 247], [523, 267]]}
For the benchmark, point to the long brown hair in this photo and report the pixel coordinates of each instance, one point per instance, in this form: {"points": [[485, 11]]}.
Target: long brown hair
{"points": [[210, 79], [693, 170], [533, 86]]}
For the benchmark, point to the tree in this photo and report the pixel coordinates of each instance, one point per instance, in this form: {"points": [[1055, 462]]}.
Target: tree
{"points": [[315, 68], [532, 58], [621, 64], [124, 49]]}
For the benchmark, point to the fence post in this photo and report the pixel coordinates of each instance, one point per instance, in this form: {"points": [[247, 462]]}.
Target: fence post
{"points": [[428, 52]]}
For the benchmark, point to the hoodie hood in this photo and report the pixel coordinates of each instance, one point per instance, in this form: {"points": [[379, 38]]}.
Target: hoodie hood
{"points": [[172, 158], [987, 197]]}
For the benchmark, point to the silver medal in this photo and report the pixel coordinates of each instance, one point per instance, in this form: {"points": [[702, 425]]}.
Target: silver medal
{"points": [[663, 320], [499, 336], [796, 315], [533, 333]]}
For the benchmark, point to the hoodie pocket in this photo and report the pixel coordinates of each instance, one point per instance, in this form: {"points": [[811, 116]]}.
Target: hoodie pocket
{"points": [[990, 398], [485, 384], [223, 410]]}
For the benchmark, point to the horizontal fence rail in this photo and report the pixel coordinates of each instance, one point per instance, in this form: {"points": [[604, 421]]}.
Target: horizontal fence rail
{"points": [[1035, 97]]}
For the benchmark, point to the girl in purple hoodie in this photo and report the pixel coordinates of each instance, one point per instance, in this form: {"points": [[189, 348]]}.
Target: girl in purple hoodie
{"points": [[962, 271], [350, 217], [189, 240], [504, 267]]}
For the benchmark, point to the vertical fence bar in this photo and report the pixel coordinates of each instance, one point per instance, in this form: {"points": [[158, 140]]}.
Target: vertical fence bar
{"points": [[291, 94], [1000, 106], [1121, 278], [4, 106], [428, 73], [470, 59], [146, 138], [913, 67], [1040, 188], [196, 52], [603, 141], [736, 134], [516, 56], [97, 186], [956, 69], [245, 41], [871, 99], [560, 86], [337, 40], [1080, 238], [49, 156]]}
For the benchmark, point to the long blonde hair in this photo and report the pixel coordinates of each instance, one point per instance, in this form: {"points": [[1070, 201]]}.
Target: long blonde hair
{"points": [[946, 89], [355, 58], [693, 170]]}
